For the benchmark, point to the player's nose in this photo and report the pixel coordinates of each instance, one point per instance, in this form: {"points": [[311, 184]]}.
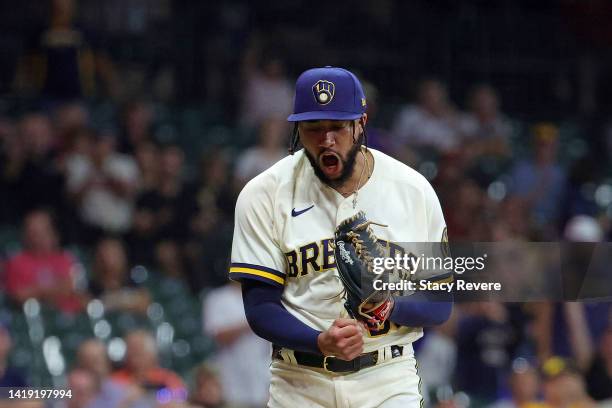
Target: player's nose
{"points": [[328, 139]]}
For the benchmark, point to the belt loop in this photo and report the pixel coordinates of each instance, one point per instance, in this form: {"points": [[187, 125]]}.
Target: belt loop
{"points": [[389, 352], [288, 356], [283, 355]]}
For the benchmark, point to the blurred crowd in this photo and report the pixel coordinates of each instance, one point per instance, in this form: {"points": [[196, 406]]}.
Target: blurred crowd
{"points": [[90, 202]]}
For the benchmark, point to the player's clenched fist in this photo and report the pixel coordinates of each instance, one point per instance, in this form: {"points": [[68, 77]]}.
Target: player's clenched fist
{"points": [[344, 339]]}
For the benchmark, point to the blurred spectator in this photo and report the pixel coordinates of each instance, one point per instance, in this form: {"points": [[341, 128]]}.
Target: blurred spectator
{"points": [[166, 202], [137, 123], [103, 185], [564, 386], [142, 237], [593, 356], [599, 369], [141, 240], [524, 385], [431, 122], [575, 199], [40, 182], [484, 129], [68, 120], [63, 61], [465, 210], [29, 176], [243, 358], [207, 391], [540, 180], [570, 329], [82, 385], [211, 222], [162, 215], [35, 129], [269, 150], [451, 170], [42, 269], [80, 145], [512, 220], [579, 260], [111, 281], [10, 163], [485, 339], [9, 375], [147, 157], [268, 93], [169, 260], [211, 188], [141, 367], [92, 357], [437, 356]]}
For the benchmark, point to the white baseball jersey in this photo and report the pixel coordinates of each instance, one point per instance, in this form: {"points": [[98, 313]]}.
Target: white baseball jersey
{"points": [[286, 218]]}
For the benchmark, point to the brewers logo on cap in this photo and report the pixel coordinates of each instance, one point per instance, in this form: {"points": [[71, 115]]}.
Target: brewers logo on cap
{"points": [[323, 91]]}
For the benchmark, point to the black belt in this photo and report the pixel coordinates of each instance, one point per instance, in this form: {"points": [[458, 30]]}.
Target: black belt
{"points": [[334, 364]]}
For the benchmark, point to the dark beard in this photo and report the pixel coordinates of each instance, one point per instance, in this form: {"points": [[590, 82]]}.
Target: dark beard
{"points": [[348, 165]]}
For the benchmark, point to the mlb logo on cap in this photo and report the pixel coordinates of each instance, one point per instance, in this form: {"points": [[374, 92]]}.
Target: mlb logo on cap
{"points": [[328, 93]]}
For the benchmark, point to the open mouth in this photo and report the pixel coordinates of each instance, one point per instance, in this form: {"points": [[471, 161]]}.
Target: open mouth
{"points": [[330, 163]]}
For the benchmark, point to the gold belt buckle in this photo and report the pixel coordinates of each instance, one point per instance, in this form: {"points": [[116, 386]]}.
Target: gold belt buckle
{"points": [[327, 370]]}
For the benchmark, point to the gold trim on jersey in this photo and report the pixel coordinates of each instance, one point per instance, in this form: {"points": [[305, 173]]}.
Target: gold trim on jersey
{"points": [[257, 272]]}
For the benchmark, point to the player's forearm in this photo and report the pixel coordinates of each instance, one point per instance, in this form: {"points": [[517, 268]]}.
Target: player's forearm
{"points": [[421, 310], [271, 321]]}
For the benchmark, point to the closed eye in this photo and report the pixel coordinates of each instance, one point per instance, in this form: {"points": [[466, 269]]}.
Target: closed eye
{"points": [[333, 128]]}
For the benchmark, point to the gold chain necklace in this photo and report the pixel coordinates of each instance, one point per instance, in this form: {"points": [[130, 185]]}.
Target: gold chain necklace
{"points": [[356, 191]]}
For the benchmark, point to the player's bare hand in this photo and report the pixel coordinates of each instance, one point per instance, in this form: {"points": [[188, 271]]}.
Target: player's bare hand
{"points": [[344, 339]]}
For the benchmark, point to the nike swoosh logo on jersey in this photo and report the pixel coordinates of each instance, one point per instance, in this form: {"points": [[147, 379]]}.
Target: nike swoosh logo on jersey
{"points": [[295, 213]]}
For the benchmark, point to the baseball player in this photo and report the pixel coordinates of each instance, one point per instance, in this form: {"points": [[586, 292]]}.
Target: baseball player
{"points": [[283, 254]]}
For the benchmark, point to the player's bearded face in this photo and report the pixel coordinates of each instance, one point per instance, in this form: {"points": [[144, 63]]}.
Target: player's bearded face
{"points": [[332, 151]]}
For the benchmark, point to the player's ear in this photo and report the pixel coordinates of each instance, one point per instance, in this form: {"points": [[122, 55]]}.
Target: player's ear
{"points": [[362, 124], [363, 120]]}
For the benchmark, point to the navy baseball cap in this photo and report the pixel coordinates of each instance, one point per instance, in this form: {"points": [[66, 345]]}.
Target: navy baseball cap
{"points": [[328, 93]]}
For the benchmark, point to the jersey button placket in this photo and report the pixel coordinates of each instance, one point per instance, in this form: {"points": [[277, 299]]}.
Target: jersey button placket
{"points": [[345, 210]]}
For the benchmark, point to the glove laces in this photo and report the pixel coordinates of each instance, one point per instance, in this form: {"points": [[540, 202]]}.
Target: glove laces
{"points": [[361, 249]]}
